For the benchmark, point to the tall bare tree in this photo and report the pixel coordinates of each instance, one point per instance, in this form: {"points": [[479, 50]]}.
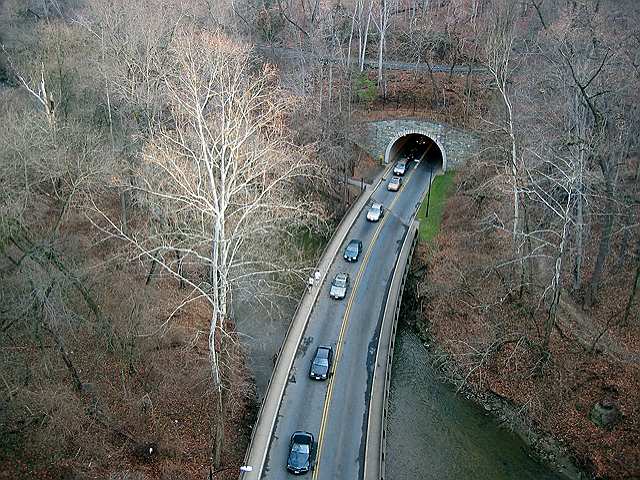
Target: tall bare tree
{"points": [[499, 46], [220, 180]]}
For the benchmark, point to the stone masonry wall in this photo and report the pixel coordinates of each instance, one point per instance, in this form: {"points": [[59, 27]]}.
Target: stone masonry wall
{"points": [[457, 144]]}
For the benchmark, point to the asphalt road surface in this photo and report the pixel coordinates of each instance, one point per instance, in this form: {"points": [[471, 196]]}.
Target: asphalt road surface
{"points": [[335, 411], [297, 54]]}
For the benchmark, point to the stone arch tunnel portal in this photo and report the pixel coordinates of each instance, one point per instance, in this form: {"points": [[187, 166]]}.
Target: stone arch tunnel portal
{"points": [[417, 146]]}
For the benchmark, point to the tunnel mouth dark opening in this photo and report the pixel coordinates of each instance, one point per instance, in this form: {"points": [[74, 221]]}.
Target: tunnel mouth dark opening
{"points": [[417, 146]]}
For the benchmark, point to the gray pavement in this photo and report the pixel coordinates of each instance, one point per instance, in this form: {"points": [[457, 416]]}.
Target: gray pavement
{"points": [[335, 411]]}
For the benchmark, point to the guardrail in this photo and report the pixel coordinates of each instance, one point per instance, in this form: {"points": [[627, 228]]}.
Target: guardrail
{"points": [[261, 434], [375, 447]]}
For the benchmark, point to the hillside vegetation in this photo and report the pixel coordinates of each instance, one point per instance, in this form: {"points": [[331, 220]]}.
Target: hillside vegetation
{"points": [[162, 158]]}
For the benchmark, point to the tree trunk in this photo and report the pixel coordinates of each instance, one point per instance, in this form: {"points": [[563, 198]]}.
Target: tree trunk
{"points": [[152, 269], [577, 270], [77, 384], [363, 53], [179, 257], [516, 229], [603, 251], [380, 58], [218, 430], [434, 85], [124, 202], [556, 283], [527, 267], [350, 41], [632, 295]]}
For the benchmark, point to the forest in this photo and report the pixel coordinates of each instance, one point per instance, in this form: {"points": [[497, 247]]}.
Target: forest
{"points": [[163, 160]]}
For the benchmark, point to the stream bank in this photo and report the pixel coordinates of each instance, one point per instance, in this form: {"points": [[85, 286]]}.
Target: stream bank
{"points": [[436, 430]]}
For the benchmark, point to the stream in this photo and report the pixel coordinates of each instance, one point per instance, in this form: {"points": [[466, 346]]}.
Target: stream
{"points": [[434, 433]]}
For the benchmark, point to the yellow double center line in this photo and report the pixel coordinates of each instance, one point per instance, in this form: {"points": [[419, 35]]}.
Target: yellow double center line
{"points": [[343, 328]]}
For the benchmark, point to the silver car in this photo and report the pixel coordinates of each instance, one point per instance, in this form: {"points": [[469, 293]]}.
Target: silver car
{"points": [[400, 168], [375, 213], [339, 286], [394, 184]]}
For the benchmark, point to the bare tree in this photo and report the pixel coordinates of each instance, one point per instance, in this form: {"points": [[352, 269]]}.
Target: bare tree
{"points": [[383, 12], [363, 22], [500, 38], [220, 182]]}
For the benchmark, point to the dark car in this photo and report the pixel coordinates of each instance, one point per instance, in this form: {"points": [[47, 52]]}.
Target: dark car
{"points": [[352, 252], [300, 453], [321, 364], [339, 286]]}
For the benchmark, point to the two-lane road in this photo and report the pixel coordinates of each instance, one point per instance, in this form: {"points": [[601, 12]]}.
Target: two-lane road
{"points": [[335, 411]]}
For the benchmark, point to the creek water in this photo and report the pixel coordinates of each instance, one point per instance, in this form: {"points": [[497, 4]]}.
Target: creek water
{"points": [[434, 433]]}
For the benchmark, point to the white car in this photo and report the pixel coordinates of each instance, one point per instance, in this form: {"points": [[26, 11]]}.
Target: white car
{"points": [[339, 286], [394, 184], [400, 168], [375, 213]]}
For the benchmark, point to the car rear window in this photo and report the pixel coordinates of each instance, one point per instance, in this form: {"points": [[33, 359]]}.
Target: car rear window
{"points": [[301, 448], [323, 352]]}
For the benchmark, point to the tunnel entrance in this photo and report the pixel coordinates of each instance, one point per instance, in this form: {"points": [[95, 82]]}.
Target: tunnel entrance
{"points": [[417, 146]]}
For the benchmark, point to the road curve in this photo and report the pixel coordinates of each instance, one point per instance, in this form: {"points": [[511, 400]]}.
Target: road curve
{"points": [[335, 412]]}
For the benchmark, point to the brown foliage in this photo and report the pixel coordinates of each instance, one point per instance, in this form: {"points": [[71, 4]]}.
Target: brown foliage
{"points": [[491, 337]]}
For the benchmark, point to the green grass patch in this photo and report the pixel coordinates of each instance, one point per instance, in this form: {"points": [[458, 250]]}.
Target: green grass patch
{"points": [[440, 190], [310, 243]]}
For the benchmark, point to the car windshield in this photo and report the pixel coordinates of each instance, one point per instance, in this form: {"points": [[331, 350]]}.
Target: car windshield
{"points": [[299, 455], [352, 248], [340, 282], [395, 180], [375, 208], [401, 164]]}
